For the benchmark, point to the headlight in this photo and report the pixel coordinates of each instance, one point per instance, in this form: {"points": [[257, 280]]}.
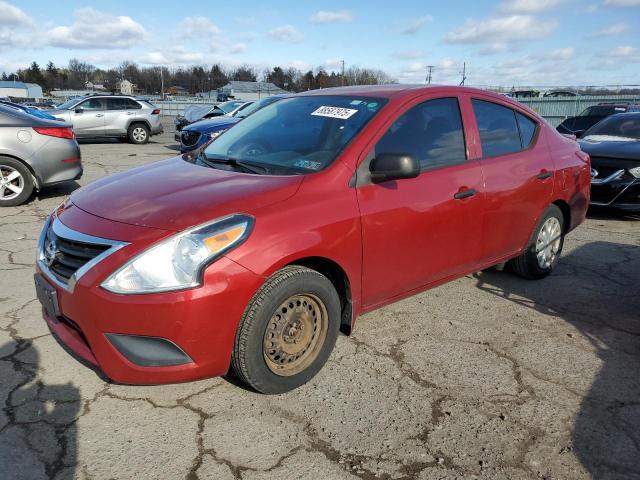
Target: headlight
{"points": [[216, 134], [178, 262], [635, 172]]}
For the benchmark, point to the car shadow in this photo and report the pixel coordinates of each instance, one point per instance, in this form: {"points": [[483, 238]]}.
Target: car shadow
{"points": [[596, 289], [59, 190], [38, 434]]}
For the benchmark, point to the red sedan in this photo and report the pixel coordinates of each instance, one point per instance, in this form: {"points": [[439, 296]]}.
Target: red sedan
{"points": [[255, 253]]}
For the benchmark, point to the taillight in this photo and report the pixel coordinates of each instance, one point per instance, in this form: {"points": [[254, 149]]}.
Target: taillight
{"points": [[60, 132], [156, 112]]}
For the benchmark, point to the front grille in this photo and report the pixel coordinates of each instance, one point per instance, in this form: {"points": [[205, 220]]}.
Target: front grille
{"points": [[64, 257], [189, 138]]}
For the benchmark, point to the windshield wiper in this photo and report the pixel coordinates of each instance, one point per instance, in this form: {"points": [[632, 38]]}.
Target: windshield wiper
{"points": [[234, 162]]}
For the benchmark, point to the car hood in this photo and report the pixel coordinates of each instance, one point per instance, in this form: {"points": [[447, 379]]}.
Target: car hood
{"points": [[207, 126], [175, 194], [629, 150]]}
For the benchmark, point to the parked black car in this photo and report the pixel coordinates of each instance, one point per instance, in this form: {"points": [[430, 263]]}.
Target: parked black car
{"points": [[614, 147], [592, 115], [196, 112]]}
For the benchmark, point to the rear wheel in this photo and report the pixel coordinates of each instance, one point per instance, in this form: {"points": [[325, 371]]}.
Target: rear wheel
{"points": [[16, 183], [544, 248], [138, 133], [287, 332]]}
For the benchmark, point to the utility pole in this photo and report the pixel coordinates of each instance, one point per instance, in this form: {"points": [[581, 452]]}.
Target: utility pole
{"points": [[161, 82], [464, 72], [343, 73], [429, 70]]}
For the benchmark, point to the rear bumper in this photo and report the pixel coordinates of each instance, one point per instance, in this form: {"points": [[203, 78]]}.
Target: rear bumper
{"points": [[157, 129], [59, 160]]}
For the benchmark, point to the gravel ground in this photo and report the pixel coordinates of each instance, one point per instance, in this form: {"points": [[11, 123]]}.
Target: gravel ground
{"points": [[489, 376]]}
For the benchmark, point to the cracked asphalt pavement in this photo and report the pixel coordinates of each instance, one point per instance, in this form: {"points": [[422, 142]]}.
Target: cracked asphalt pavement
{"points": [[488, 377]]}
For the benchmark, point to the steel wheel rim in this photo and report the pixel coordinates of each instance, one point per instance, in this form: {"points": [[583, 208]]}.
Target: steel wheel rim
{"points": [[11, 183], [548, 242], [295, 334], [139, 134]]}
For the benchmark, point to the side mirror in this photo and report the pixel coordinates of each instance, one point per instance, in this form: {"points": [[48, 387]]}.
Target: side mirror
{"points": [[579, 133], [79, 110], [390, 166]]}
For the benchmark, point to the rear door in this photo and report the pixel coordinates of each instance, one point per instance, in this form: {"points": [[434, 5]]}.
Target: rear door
{"points": [[420, 230], [119, 112], [518, 175], [88, 118]]}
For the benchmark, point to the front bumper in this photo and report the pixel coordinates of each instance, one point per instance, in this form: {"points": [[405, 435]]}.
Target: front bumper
{"points": [[622, 194], [199, 322]]}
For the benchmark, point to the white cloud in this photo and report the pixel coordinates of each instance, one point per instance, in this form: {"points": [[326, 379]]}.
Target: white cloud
{"points": [[94, 29], [622, 3], [175, 56], [529, 6], [191, 27], [613, 29], [627, 53], [561, 54], [287, 33], [409, 54], [497, 47], [413, 26], [331, 16], [12, 16], [332, 63], [238, 48], [501, 30], [300, 65]]}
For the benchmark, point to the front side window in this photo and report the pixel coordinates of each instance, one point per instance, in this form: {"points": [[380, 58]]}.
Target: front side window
{"points": [[498, 128], [296, 135], [93, 104], [431, 132]]}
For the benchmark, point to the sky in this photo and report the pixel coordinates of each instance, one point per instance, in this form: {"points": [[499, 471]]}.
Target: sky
{"points": [[503, 42]]}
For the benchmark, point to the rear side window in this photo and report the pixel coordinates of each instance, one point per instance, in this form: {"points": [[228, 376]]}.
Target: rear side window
{"points": [[431, 132], [498, 127], [527, 129], [132, 104]]}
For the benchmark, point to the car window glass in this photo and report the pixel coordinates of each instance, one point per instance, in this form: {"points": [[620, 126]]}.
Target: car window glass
{"points": [[131, 104], [92, 104], [527, 129], [498, 128], [431, 132], [116, 103]]}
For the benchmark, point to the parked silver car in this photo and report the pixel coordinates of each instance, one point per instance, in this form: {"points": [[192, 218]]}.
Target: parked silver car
{"points": [[116, 116], [34, 152]]}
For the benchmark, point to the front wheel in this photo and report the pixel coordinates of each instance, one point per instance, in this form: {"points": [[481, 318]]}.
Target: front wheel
{"points": [[545, 246], [287, 332]]}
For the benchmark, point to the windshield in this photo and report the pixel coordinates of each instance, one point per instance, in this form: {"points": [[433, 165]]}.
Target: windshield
{"points": [[601, 111], [227, 107], [296, 135], [68, 104], [255, 106], [625, 126]]}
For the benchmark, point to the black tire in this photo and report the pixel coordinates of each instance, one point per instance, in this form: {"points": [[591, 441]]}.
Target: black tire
{"points": [[11, 166], [527, 264], [249, 360], [138, 133]]}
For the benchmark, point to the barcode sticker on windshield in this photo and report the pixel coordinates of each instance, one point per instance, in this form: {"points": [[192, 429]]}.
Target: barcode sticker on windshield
{"points": [[334, 112]]}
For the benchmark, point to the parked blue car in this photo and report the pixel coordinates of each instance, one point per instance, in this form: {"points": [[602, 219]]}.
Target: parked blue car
{"points": [[30, 110], [202, 132]]}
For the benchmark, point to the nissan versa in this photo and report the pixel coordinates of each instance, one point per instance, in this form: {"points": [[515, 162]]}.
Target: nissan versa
{"points": [[251, 256]]}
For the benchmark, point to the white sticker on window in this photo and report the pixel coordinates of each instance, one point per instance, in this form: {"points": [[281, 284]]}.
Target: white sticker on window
{"points": [[334, 112]]}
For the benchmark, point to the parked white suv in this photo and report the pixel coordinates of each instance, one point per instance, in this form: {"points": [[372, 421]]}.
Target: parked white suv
{"points": [[116, 116]]}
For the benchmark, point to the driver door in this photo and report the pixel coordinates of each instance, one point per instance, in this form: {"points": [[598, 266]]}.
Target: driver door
{"points": [[89, 122], [421, 230]]}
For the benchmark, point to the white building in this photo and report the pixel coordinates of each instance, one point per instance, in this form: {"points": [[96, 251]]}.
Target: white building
{"points": [[250, 91], [126, 87], [20, 89]]}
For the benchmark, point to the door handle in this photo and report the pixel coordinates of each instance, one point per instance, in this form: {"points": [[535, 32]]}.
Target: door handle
{"points": [[466, 193], [544, 174], [99, 114], [129, 113]]}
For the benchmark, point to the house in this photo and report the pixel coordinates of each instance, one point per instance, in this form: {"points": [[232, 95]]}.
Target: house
{"points": [[94, 86], [176, 90], [20, 89], [126, 87], [250, 91]]}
